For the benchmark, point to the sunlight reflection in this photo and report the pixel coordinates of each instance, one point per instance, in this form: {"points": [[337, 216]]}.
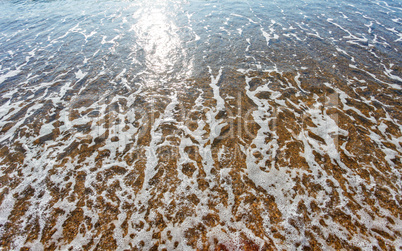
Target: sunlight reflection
{"points": [[159, 37]]}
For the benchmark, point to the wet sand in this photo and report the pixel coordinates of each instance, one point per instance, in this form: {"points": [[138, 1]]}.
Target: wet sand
{"points": [[201, 126]]}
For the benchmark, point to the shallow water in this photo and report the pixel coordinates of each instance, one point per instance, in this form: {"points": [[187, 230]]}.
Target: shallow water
{"points": [[209, 125]]}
